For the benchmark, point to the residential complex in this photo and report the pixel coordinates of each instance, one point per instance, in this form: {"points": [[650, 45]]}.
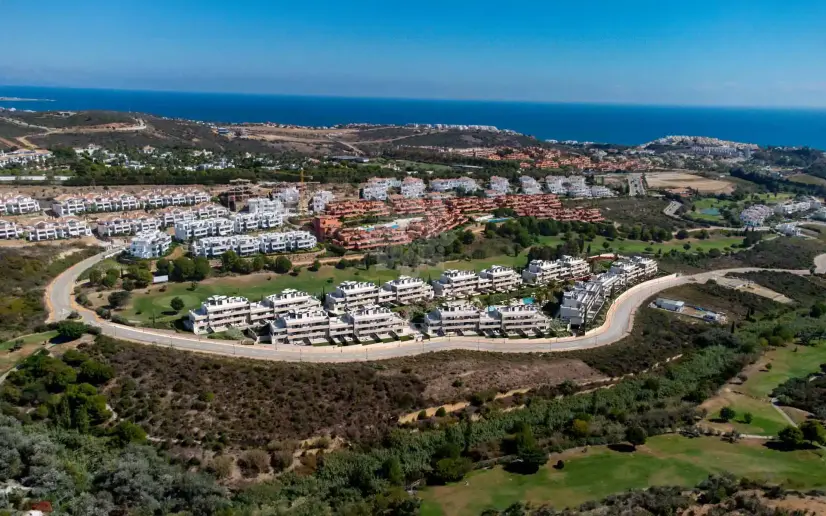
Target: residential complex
{"points": [[412, 188], [150, 244], [126, 224], [576, 187], [320, 200], [460, 317], [10, 230], [529, 185], [368, 323], [67, 204], [190, 229], [464, 184], [543, 272], [789, 208], [246, 245], [16, 204], [57, 229], [219, 313], [498, 186], [249, 222], [462, 284], [264, 204], [755, 215], [582, 303], [350, 295]]}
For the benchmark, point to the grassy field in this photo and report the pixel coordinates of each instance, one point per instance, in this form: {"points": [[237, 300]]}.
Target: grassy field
{"points": [[708, 203], [765, 419], [664, 460], [806, 179], [31, 343], [786, 363]]}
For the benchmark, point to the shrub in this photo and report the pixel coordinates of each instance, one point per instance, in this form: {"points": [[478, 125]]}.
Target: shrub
{"points": [[441, 412], [71, 330], [254, 462]]}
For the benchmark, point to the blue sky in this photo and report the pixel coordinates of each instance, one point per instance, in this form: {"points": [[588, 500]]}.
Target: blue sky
{"points": [[698, 52]]}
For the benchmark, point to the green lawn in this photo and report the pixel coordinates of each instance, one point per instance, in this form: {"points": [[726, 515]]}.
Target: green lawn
{"points": [[665, 460], [34, 338], [786, 363], [766, 420]]}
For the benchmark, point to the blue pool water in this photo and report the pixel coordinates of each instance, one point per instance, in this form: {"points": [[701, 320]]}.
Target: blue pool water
{"points": [[710, 211]]}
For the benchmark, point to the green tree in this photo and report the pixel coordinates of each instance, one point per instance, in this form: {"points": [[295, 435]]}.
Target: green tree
{"points": [[727, 414], [118, 299], [95, 373], [316, 265], [142, 278], [126, 432], [451, 469], [163, 266], [282, 265], [682, 234], [182, 269], [393, 471], [95, 276], [813, 431], [791, 436], [201, 269], [70, 330], [177, 304], [748, 417], [636, 435]]}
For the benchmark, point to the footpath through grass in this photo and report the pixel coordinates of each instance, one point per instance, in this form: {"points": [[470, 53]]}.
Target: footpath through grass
{"points": [[664, 460]]}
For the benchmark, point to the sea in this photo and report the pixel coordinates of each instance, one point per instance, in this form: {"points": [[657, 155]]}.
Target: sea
{"points": [[602, 123]]}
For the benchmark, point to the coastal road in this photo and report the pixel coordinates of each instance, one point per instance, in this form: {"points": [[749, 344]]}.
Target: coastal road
{"points": [[618, 323], [635, 185]]}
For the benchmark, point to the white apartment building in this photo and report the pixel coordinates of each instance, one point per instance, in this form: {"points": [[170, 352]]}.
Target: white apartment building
{"points": [[290, 196], [320, 200], [150, 244], [219, 313], [407, 290], [304, 328], [264, 204], [291, 300], [248, 222], [412, 188], [789, 229], [599, 191], [189, 229], [173, 215], [499, 185], [66, 205], [351, 295], [173, 197], [515, 318], [287, 241], [584, 301], [499, 278], [57, 229], [210, 210], [465, 184], [17, 204], [634, 268], [374, 322], [755, 215], [10, 230], [455, 283], [126, 225], [789, 208], [374, 191], [542, 272], [460, 317], [453, 317], [215, 246], [529, 185]]}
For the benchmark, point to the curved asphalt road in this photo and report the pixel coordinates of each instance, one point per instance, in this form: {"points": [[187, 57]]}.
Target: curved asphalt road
{"points": [[618, 323]]}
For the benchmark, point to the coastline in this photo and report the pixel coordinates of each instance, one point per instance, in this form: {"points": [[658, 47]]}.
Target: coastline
{"points": [[608, 123]]}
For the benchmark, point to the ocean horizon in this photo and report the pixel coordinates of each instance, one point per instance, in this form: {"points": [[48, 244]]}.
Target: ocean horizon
{"points": [[603, 123]]}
